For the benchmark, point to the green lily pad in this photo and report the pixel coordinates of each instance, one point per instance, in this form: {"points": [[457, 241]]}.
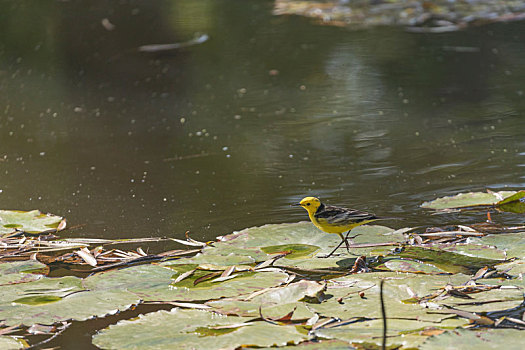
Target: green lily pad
{"points": [[33, 222], [412, 266], [343, 299], [274, 303], [488, 301], [455, 258], [37, 300], [485, 252], [513, 204], [156, 283], [481, 339], [302, 240], [513, 268], [10, 343], [194, 329], [51, 300], [250, 309], [21, 271], [332, 264], [407, 333], [320, 345], [467, 200], [513, 243], [215, 260], [296, 251]]}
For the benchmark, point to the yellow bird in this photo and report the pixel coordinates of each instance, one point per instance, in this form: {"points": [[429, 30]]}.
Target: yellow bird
{"points": [[332, 219]]}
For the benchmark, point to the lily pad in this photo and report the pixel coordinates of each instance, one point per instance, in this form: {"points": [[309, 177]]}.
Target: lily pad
{"points": [[467, 200], [194, 329], [513, 268], [275, 302], [412, 266], [21, 271], [513, 243], [488, 301], [320, 345], [220, 260], [303, 241], [295, 251], [156, 283], [333, 264], [10, 343], [485, 252], [51, 300], [457, 259], [33, 222], [408, 333], [481, 339], [344, 299], [513, 204]]}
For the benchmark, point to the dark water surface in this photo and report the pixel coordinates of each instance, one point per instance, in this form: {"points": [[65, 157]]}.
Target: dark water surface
{"points": [[224, 135]]}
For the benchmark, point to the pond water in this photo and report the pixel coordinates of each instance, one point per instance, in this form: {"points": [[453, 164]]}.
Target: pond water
{"points": [[226, 134]]}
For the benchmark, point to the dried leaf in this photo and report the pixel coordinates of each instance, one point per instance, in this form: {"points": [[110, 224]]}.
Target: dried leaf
{"points": [[86, 256], [62, 225], [189, 305], [184, 275], [193, 244], [228, 271], [206, 277]]}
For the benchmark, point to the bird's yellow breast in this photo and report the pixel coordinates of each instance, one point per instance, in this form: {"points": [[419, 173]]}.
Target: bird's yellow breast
{"points": [[325, 226]]}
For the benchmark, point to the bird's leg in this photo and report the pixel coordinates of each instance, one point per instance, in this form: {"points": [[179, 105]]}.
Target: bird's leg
{"points": [[333, 251], [344, 239]]}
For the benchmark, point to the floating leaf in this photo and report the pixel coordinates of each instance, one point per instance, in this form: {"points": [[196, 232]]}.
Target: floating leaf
{"points": [[454, 261], [513, 243], [412, 266], [496, 299], [21, 271], [33, 222], [274, 302], [10, 343], [513, 204], [319, 345], [37, 300], [221, 259], [194, 329], [344, 299], [400, 332], [482, 339], [156, 283], [469, 199], [514, 268], [302, 240], [476, 251], [294, 251], [51, 300]]}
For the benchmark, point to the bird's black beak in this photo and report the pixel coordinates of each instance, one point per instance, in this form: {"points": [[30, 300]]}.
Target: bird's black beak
{"points": [[296, 204]]}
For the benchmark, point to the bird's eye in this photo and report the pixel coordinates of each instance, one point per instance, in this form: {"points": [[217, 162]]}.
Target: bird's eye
{"points": [[307, 203]]}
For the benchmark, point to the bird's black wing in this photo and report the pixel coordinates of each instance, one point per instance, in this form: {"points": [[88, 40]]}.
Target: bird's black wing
{"points": [[342, 216]]}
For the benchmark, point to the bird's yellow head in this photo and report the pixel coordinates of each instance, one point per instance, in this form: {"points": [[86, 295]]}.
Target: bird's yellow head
{"points": [[310, 204]]}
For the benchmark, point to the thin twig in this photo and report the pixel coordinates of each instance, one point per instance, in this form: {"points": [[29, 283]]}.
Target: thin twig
{"points": [[383, 314], [60, 331]]}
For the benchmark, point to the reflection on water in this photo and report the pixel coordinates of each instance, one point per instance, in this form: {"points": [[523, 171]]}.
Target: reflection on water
{"points": [[226, 134]]}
